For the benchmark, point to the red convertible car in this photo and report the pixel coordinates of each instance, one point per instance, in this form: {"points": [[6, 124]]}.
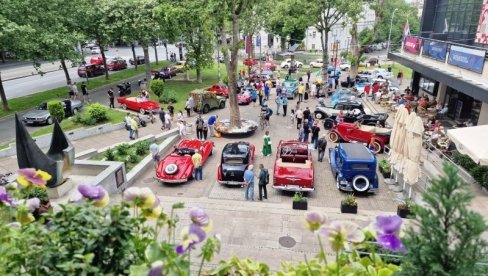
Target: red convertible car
{"points": [[244, 97], [220, 89], [269, 66], [360, 133], [250, 62], [293, 169], [177, 167], [138, 104]]}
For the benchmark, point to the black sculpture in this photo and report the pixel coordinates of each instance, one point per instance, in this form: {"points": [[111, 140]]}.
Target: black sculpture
{"points": [[29, 155]]}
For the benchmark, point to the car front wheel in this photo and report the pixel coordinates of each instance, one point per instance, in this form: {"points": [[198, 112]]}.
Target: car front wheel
{"points": [[333, 137], [222, 105], [142, 111], [49, 121], [206, 108], [319, 115], [124, 107], [75, 111]]}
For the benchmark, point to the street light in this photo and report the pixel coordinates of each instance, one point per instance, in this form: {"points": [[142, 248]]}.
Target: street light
{"points": [[389, 35]]}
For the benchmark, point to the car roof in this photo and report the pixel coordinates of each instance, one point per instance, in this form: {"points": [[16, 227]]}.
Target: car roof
{"points": [[348, 102], [356, 151]]}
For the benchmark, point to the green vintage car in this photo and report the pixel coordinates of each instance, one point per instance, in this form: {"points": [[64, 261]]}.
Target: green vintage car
{"points": [[204, 101], [291, 88]]}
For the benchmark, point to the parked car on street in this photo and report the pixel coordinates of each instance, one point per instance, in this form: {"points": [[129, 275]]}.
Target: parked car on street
{"points": [[345, 66], [287, 64], [97, 60], [116, 64], [177, 167], [41, 115], [350, 133], [90, 70], [250, 62], [269, 66], [95, 50], [354, 168], [138, 104], [293, 169], [364, 119], [206, 101], [323, 111], [244, 97], [180, 66], [219, 89], [318, 63], [165, 73], [236, 157], [139, 60], [290, 87], [342, 94]]}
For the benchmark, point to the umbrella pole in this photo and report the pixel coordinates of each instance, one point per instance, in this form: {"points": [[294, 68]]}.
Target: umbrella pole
{"points": [[410, 192]]}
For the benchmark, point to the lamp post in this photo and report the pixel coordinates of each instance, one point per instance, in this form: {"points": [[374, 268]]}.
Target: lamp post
{"points": [[389, 35]]}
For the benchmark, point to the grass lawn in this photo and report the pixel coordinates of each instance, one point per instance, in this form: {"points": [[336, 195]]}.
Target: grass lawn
{"points": [[407, 72], [68, 124], [28, 102]]}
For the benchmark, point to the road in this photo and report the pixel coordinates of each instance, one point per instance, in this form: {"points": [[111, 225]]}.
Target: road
{"points": [[29, 84]]}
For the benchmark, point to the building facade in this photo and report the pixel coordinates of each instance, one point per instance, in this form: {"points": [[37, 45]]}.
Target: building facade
{"points": [[448, 58], [341, 32]]}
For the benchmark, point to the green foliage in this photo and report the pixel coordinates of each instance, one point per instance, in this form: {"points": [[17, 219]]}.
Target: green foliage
{"points": [[350, 200], [406, 11], [84, 119], [478, 173], [463, 160], [142, 147], [448, 239], [122, 149], [56, 110], [132, 158], [237, 266], [168, 96], [225, 80], [98, 112], [110, 154], [157, 87], [298, 197], [32, 192], [385, 168]]}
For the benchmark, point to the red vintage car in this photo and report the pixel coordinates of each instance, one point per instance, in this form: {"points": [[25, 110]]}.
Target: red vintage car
{"points": [[360, 133], [220, 89], [236, 157], [116, 64], [293, 169], [244, 97], [138, 104], [269, 66], [96, 60], [250, 62], [177, 167]]}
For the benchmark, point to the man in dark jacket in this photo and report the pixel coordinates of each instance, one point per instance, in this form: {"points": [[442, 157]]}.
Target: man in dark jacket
{"points": [[322, 145], [162, 116], [263, 181]]}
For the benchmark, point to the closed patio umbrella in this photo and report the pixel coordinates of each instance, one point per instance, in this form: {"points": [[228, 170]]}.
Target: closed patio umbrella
{"points": [[411, 166], [398, 137]]}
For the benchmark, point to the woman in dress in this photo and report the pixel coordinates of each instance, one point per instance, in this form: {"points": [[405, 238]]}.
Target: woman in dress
{"points": [[307, 90], [267, 144]]}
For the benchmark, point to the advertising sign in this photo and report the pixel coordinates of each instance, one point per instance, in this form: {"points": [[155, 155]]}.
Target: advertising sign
{"points": [[435, 49], [412, 45], [482, 31], [466, 58]]}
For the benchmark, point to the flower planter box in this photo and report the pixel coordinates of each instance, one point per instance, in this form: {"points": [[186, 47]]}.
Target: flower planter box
{"points": [[403, 213], [349, 209], [300, 205]]}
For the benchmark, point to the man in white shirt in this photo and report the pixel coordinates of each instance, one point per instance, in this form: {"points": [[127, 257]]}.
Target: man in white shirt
{"points": [[167, 121]]}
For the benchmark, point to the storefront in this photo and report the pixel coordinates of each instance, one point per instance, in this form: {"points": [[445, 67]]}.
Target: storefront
{"points": [[462, 107]]}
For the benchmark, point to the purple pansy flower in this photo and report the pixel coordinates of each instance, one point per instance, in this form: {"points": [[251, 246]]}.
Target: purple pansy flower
{"points": [[33, 203], [95, 193], [190, 236], [29, 176], [156, 269], [313, 221], [387, 231], [199, 217], [4, 197]]}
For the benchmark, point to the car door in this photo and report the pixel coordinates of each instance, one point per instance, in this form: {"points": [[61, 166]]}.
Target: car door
{"points": [[131, 103]]}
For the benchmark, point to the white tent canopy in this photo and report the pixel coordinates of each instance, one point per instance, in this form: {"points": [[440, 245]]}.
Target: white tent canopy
{"points": [[472, 141]]}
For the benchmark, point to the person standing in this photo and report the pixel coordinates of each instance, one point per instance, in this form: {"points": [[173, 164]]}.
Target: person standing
{"points": [[75, 90], [162, 117], [263, 181], [367, 89], [84, 92], [254, 96], [306, 130], [199, 127], [179, 116], [266, 91], [301, 134], [284, 102], [249, 183], [321, 146], [278, 101], [399, 77], [336, 82], [182, 129], [134, 129], [301, 91], [278, 82], [308, 75], [211, 124], [189, 106], [167, 121], [260, 95], [154, 149], [267, 144], [299, 118], [315, 134], [205, 129], [171, 109], [70, 89], [128, 123], [307, 91], [292, 117], [197, 165], [111, 97]]}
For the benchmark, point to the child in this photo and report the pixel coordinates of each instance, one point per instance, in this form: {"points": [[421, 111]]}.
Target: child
{"points": [[292, 117]]}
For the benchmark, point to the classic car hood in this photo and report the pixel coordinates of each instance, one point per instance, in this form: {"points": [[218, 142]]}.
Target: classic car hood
{"points": [[184, 164], [37, 114]]}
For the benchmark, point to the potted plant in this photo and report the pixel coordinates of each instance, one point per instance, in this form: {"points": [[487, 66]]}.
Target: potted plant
{"points": [[404, 209], [385, 168], [299, 201], [349, 204]]}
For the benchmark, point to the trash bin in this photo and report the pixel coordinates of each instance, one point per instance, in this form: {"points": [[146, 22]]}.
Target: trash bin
{"points": [[189, 128]]}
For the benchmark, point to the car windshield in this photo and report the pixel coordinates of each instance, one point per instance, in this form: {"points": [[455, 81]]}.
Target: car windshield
{"points": [[42, 106], [289, 84], [233, 160], [236, 149]]}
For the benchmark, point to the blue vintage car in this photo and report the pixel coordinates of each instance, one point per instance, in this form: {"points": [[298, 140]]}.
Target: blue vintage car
{"points": [[291, 88], [354, 168], [339, 95]]}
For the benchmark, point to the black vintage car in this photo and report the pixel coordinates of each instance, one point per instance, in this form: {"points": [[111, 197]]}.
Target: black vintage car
{"points": [[364, 119], [139, 60], [236, 157]]}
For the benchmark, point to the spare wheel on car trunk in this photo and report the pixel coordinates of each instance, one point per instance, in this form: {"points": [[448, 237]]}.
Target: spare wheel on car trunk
{"points": [[171, 169], [360, 183]]}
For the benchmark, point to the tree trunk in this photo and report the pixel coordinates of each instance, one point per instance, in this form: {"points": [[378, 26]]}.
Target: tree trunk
{"points": [[199, 74], [102, 50], [282, 43], [134, 55], [65, 70], [356, 55], [3, 96], [166, 47], [147, 64], [2, 54], [325, 57], [156, 53]]}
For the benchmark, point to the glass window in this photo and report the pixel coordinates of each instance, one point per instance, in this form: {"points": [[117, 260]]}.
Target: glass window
{"points": [[427, 85], [360, 166]]}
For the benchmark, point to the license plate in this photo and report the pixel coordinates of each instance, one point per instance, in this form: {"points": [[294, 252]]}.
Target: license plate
{"points": [[293, 187]]}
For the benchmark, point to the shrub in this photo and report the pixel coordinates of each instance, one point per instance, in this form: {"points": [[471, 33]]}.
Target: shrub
{"points": [[98, 112], [157, 87], [478, 173], [132, 158], [33, 192], [463, 160], [485, 181], [142, 147], [168, 96], [110, 154], [122, 149], [225, 80], [56, 109]]}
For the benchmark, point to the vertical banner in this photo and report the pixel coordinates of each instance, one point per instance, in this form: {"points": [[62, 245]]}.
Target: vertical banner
{"points": [[248, 44], [482, 31], [258, 40]]}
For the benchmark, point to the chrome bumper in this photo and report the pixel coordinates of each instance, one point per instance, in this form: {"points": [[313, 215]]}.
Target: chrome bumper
{"points": [[293, 188], [236, 183], [171, 180]]}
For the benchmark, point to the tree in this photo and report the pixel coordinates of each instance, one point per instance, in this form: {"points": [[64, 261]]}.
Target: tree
{"points": [[195, 30], [228, 13], [328, 13], [446, 238]]}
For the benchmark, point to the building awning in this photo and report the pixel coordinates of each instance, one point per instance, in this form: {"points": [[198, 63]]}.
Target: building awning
{"points": [[465, 85], [472, 142]]}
